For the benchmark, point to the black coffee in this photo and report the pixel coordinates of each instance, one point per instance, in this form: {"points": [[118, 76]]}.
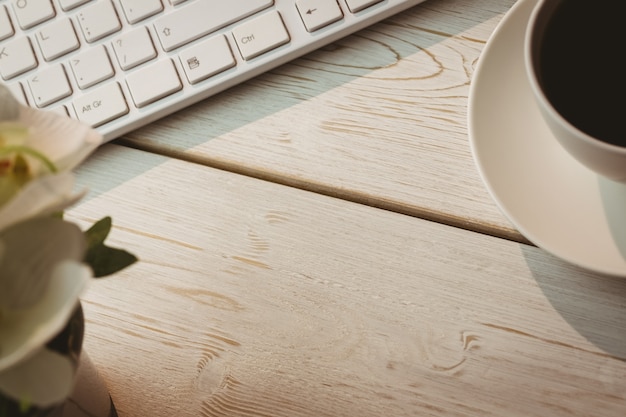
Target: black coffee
{"points": [[581, 67]]}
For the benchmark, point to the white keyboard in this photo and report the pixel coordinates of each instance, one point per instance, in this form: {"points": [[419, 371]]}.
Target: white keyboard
{"points": [[120, 64]]}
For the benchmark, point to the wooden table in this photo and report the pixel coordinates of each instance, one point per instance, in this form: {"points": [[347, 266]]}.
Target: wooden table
{"points": [[318, 242]]}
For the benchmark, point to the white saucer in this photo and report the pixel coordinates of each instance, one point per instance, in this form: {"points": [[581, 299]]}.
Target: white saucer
{"points": [[553, 200]]}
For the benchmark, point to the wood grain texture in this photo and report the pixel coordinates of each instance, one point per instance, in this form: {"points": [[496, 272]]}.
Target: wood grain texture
{"points": [[378, 118], [256, 299]]}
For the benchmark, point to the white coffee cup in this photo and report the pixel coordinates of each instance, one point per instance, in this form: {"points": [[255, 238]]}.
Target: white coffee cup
{"points": [[572, 49]]}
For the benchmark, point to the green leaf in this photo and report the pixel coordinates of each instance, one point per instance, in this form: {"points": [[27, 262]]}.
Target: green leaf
{"points": [[105, 260], [98, 232]]}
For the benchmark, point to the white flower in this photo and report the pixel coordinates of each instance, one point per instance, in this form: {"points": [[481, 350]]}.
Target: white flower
{"points": [[41, 278], [42, 273], [45, 379], [38, 150]]}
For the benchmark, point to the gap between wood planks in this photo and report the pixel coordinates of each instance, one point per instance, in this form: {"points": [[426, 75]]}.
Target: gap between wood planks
{"points": [[334, 192]]}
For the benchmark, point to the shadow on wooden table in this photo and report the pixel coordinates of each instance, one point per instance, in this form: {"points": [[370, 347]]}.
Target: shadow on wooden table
{"points": [[405, 39], [593, 304], [111, 166]]}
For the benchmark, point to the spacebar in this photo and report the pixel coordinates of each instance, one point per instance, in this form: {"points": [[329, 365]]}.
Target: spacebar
{"points": [[202, 17]]}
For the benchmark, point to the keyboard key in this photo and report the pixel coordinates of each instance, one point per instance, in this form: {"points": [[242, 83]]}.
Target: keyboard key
{"points": [[101, 105], [153, 82], [98, 20], [136, 11], [134, 48], [49, 85], [71, 4], [57, 39], [316, 14], [206, 58], [91, 67], [202, 17], [358, 5], [16, 57], [260, 35], [30, 13], [6, 27]]}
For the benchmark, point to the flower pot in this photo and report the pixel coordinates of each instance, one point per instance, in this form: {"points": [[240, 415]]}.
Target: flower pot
{"points": [[90, 396]]}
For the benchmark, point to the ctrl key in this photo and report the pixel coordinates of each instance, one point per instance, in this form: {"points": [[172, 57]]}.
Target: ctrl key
{"points": [[101, 105]]}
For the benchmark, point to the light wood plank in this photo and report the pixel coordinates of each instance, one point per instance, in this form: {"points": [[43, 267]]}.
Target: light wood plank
{"points": [[378, 118], [256, 299]]}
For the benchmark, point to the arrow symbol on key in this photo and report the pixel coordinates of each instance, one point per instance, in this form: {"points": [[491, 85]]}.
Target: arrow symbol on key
{"points": [[310, 11]]}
